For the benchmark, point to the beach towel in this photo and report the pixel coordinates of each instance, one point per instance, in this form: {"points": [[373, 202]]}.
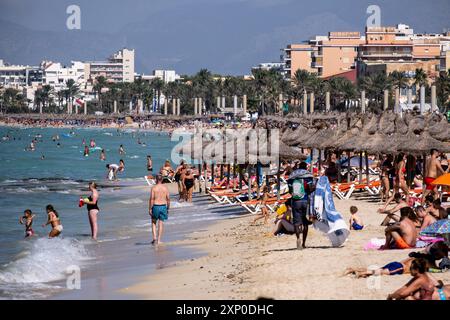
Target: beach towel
{"points": [[327, 218]]}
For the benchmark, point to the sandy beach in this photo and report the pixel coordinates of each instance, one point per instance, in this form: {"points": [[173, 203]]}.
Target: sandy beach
{"points": [[247, 262]]}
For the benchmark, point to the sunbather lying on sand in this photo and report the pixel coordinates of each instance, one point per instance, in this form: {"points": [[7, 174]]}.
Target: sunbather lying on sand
{"points": [[433, 253]]}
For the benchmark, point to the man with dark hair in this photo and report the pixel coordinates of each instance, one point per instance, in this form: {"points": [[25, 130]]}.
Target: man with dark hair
{"points": [[433, 170], [403, 234], [158, 207], [300, 189], [437, 211]]}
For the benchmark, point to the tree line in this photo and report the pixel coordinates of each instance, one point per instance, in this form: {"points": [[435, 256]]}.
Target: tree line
{"points": [[263, 90]]}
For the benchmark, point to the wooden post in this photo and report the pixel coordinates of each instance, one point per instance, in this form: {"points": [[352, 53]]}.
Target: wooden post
{"points": [[199, 175], [234, 175], [249, 182], [433, 98], [244, 104], [228, 174], [174, 106], [360, 167], [178, 106], [338, 163], [311, 102], [165, 105], [221, 171], [397, 100], [363, 101], [195, 106], [367, 167], [320, 161], [212, 174], [348, 167], [409, 96], [279, 179], [115, 107], [240, 177]]}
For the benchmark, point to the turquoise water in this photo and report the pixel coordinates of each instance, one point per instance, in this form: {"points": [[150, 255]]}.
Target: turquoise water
{"points": [[27, 182], [36, 268]]}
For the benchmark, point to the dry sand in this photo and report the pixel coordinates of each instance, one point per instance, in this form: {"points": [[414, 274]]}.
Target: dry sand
{"points": [[246, 262]]}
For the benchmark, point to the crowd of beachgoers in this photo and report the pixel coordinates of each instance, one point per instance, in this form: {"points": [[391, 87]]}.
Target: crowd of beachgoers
{"points": [[414, 207]]}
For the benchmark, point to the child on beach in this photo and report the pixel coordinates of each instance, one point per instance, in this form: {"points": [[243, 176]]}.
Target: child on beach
{"points": [[53, 219], [356, 222], [264, 212], [27, 219]]}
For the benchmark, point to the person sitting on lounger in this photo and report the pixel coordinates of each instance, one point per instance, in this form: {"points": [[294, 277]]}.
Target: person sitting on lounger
{"points": [[403, 234], [400, 203]]}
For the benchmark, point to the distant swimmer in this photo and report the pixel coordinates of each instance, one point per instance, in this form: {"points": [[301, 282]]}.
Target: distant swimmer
{"points": [[149, 163], [92, 143], [27, 220], [112, 171], [159, 204], [103, 155], [86, 151], [42, 157], [121, 150], [54, 220], [121, 166], [83, 142], [58, 145]]}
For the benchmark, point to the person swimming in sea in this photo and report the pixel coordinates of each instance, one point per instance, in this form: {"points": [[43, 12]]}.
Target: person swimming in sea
{"points": [[54, 220], [102, 155], [27, 220], [86, 151], [121, 150]]}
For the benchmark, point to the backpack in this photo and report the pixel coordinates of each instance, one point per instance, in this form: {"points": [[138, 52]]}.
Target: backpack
{"points": [[298, 189]]}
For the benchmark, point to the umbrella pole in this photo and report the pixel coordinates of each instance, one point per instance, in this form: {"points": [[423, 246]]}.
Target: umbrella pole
{"points": [[199, 175], [240, 177], [320, 160], [221, 171], [338, 160], [278, 179], [424, 171], [234, 175], [360, 167], [249, 183], [367, 167], [228, 174], [348, 166], [311, 157], [212, 174]]}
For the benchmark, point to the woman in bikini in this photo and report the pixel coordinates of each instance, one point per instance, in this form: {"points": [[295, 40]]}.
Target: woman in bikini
{"points": [[386, 167], [54, 220], [420, 287], [263, 203], [93, 209], [188, 182], [400, 181]]}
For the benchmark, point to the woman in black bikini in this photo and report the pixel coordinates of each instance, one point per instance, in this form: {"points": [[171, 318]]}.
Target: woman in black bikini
{"points": [[188, 182], [93, 209]]}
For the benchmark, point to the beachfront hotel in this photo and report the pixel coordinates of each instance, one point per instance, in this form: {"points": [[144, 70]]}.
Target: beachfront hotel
{"points": [[385, 49], [118, 68]]}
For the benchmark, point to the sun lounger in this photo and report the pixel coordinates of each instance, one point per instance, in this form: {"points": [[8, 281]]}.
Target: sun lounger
{"points": [[150, 181]]}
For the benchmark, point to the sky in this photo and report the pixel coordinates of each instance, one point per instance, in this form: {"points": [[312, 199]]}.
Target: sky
{"points": [[224, 36]]}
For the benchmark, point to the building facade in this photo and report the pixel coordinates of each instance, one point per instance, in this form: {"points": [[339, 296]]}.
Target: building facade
{"points": [[56, 75], [118, 68], [19, 76], [380, 49]]}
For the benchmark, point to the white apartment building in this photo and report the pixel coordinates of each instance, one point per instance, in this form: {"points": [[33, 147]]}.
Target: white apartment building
{"points": [[56, 75], [118, 68], [19, 76], [165, 75]]}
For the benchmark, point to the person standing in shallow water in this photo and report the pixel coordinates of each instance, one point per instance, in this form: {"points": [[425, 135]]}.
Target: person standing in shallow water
{"points": [[93, 209], [158, 209]]}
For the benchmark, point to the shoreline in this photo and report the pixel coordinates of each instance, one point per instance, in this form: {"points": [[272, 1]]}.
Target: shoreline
{"points": [[247, 262]]}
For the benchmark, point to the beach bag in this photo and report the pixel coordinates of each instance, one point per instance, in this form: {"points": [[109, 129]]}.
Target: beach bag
{"points": [[298, 189]]}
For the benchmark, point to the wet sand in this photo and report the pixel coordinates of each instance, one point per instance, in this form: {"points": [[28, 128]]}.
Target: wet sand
{"points": [[247, 262]]}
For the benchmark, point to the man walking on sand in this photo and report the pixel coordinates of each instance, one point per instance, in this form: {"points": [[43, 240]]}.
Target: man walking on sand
{"points": [[158, 208], [433, 170]]}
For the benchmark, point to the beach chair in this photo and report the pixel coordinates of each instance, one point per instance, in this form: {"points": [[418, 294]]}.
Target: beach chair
{"points": [[343, 190]]}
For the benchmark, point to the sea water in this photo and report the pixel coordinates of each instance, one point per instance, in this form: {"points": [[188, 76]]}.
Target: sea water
{"points": [[37, 267]]}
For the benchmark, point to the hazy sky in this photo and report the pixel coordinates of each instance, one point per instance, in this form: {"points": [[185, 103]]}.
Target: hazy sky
{"points": [[226, 36]]}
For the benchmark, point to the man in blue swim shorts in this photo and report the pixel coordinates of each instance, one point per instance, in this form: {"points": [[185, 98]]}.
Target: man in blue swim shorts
{"points": [[159, 204]]}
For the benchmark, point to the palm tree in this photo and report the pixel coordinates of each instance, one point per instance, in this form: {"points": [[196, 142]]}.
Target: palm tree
{"points": [[158, 85], [374, 85], [420, 78], [443, 90], [100, 83], [398, 79], [342, 90], [301, 83]]}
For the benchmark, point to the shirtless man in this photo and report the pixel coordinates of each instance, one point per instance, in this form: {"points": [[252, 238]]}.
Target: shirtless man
{"points": [[433, 170], [158, 208], [403, 234], [391, 212]]}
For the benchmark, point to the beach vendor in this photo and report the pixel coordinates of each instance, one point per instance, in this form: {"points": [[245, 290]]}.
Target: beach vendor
{"points": [[300, 188]]}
